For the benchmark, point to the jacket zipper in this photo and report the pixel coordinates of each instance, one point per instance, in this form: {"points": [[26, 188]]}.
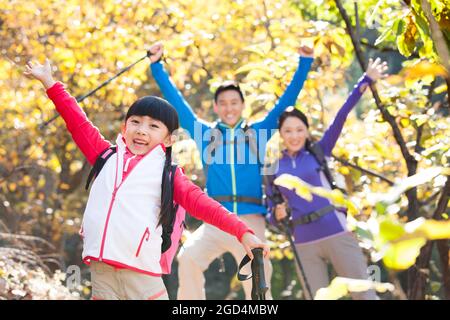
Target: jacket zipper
{"points": [[293, 158], [233, 174], [107, 222], [102, 247], [146, 233]]}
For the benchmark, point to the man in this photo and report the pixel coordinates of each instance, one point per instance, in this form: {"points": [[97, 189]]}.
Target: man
{"points": [[232, 153]]}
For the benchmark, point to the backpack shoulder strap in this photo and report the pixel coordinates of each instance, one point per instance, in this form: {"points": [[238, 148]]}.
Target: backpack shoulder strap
{"points": [[276, 197], [99, 163], [212, 144], [251, 140], [318, 153]]}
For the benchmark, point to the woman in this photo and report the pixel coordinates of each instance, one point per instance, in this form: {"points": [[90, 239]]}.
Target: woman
{"points": [[319, 229]]}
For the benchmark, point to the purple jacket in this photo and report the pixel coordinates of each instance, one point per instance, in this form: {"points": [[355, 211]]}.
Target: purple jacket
{"points": [[305, 166]]}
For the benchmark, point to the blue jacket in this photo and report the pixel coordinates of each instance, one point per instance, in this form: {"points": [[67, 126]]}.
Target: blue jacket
{"points": [[305, 166], [233, 168]]}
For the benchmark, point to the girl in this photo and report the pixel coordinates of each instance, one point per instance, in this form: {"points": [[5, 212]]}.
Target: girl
{"points": [[319, 229], [130, 202]]}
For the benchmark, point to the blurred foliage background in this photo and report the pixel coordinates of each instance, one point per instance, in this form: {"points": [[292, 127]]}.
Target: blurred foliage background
{"points": [[399, 130]]}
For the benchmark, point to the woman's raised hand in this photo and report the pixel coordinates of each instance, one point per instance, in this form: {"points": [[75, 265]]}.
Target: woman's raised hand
{"points": [[376, 69]]}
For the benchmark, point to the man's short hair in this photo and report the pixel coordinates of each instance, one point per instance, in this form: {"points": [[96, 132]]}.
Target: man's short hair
{"points": [[229, 85]]}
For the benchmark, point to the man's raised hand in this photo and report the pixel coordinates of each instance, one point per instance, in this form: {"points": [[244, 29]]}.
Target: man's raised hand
{"points": [[155, 52]]}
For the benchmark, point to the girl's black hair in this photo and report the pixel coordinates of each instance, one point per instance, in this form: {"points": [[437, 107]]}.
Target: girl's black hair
{"points": [[292, 112], [161, 110]]}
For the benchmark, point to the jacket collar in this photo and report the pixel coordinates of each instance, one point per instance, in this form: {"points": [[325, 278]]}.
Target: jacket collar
{"points": [[286, 154], [240, 124]]}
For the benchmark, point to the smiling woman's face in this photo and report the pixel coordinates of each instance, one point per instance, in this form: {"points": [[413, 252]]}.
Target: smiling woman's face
{"points": [[294, 133], [143, 133]]}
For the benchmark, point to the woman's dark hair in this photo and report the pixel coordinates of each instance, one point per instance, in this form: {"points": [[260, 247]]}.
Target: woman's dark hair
{"points": [[161, 110], [292, 112], [227, 86]]}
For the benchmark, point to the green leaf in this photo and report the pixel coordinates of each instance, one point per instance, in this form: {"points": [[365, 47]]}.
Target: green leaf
{"points": [[390, 230], [400, 27], [422, 26], [381, 207], [384, 36]]}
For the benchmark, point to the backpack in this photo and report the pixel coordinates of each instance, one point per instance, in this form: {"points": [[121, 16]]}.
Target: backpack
{"points": [[171, 235]]}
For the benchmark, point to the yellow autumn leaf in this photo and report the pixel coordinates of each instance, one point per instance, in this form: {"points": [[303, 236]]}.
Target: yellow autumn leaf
{"points": [[401, 243], [428, 229], [340, 287], [390, 230], [403, 254], [251, 66], [261, 49], [64, 186], [305, 190], [422, 69], [394, 79], [440, 89], [293, 183]]}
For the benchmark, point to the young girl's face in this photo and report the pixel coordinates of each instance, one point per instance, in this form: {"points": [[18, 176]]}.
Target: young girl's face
{"points": [[294, 133], [143, 133]]}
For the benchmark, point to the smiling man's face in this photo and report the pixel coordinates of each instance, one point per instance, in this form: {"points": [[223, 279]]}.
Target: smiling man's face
{"points": [[229, 107]]}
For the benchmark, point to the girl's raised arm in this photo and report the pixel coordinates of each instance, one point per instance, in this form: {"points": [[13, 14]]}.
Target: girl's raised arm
{"points": [[86, 136]]}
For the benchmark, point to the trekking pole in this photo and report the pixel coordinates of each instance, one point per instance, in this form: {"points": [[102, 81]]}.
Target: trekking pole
{"points": [[81, 98], [259, 287], [301, 272]]}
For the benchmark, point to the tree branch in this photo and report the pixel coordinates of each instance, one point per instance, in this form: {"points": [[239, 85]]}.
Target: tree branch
{"points": [[366, 171], [442, 246], [267, 26], [365, 43], [437, 36], [386, 116], [418, 147]]}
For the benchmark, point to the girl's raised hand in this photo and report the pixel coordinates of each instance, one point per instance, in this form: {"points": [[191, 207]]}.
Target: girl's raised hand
{"points": [[43, 73], [376, 69]]}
